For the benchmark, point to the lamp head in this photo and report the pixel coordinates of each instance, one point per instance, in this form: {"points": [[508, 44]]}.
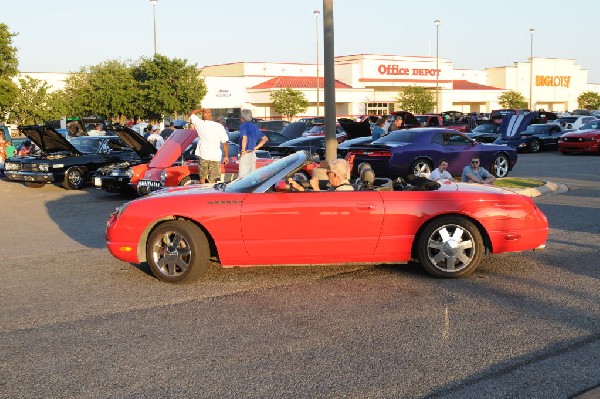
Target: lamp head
{"points": [[531, 30], [436, 22], [154, 2], [317, 12]]}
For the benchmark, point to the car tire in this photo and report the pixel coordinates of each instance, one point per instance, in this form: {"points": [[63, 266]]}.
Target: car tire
{"points": [[535, 145], [178, 252], [500, 165], [75, 178], [185, 181], [421, 167], [450, 247]]}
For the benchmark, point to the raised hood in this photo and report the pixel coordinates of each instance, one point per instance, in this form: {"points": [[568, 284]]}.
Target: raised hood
{"points": [[48, 139], [355, 129], [173, 148], [140, 145]]}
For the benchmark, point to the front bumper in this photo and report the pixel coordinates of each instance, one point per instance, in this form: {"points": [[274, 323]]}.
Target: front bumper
{"points": [[147, 186], [583, 146], [37, 177], [113, 184]]}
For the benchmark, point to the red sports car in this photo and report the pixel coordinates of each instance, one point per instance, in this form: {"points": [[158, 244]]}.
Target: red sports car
{"points": [[586, 139], [258, 220]]}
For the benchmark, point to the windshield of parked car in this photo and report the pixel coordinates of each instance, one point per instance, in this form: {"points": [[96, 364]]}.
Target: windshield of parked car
{"points": [[486, 128], [86, 144], [531, 129], [256, 178]]}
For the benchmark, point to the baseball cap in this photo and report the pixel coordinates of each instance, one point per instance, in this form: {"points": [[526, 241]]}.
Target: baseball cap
{"points": [[155, 127]]}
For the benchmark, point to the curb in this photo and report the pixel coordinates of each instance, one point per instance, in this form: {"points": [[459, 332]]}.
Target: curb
{"points": [[548, 188]]}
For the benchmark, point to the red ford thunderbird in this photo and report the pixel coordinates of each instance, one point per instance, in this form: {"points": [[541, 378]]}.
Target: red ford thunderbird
{"points": [[259, 220]]}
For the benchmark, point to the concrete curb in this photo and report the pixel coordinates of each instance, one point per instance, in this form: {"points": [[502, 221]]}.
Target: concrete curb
{"points": [[548, 188]]}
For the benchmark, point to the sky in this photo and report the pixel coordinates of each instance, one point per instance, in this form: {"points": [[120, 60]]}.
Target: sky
{"points": [[65, 35]]}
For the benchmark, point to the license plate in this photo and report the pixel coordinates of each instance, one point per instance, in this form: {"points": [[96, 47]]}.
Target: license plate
{"points": [[97, 181]]}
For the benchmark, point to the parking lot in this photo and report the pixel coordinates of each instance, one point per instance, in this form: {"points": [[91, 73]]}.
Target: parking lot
{"points": [[75, 322]]}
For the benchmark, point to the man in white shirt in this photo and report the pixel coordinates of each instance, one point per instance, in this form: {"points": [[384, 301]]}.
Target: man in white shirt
{"points": [[97, 131], [155, 138], [441, 172], [210, 137]]}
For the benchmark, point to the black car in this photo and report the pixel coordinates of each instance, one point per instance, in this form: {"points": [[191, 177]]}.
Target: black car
{"points": [[535, 138], [485, 133], [294, 130], [115, 178], [70, 163], [275, 126]]}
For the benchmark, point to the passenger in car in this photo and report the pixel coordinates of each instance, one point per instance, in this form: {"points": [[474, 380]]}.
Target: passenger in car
{"points": [[338, 174]]}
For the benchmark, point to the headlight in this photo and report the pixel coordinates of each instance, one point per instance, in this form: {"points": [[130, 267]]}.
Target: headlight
{"points": [[523, 145], [163, 176], [43, 167], [11, 166], [58, 165], [128, 172]]}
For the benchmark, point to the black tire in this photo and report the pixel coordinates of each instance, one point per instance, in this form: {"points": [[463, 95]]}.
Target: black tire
{"points": [[535, 145], [185, 181], [450, 247], [500, 165], [421, 167], [178, 252], [75, 178]]}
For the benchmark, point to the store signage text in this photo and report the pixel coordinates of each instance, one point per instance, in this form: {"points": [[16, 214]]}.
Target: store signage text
{"points": [[398, 70], [561, 81]]}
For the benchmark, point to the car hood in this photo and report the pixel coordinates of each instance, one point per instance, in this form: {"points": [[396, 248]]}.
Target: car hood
{"points": [[583, 133], [48, 139], [137, 142], [173, 148], [356, 129]]}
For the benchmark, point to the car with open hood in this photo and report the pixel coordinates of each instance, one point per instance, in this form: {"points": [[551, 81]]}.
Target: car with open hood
{"points": [[117, 177], [68, 162], [536, 137]]}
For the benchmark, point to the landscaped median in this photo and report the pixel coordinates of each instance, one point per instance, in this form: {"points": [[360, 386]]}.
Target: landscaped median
{"points": [[528, 187]]}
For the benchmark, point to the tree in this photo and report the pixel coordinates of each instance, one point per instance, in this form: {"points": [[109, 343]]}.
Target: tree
{"points": [[289, 102], [168, 86], [34, 104], [512, 99], [8, 69], [416, 99], [589, 100]]}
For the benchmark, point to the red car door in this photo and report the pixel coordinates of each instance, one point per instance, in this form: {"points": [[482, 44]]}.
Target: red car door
{"points": [[312, 227]]}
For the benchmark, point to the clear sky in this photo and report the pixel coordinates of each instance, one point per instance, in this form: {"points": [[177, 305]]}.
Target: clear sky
{"points": [[64, 35]]}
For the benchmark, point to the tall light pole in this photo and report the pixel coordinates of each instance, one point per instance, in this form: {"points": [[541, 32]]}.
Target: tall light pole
{"points": [[154, 3], [437, 65], [317, 13], [531, 30]]}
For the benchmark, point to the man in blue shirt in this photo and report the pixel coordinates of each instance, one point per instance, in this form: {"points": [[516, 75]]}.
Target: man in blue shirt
{"points": [[474, 173], [251, 139]]}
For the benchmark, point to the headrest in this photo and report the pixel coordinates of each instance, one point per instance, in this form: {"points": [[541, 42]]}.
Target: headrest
{"points": [[367, 175], [361, 166]]}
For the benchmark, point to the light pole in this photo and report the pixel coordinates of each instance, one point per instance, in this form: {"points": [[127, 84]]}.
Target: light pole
{"points": [[154, 3], [437, 65], [531, 30], [317, 13]]}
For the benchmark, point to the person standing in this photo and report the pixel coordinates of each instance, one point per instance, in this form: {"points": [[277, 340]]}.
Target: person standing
{"points": [[155, 138], [378, 128], [441, 172], [251, 139], [168, 131], [210, 137], [396, 125], [474, 173]]}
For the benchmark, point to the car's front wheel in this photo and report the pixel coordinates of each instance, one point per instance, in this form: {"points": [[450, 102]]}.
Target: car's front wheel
{"points": [[535, 145], [178, 251], [75, 178], [450, 247], [500, 165]]}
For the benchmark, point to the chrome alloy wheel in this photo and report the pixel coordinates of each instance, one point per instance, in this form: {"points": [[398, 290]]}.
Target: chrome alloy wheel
{"points": [[450, 248], [500, 166], [171, 253]]}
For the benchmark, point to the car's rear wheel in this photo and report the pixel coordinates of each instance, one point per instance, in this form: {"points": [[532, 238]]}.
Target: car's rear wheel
{"points": [[535, 145], [500, 165], [178, 251], [450, 247], [421, 167], [75, 178]]}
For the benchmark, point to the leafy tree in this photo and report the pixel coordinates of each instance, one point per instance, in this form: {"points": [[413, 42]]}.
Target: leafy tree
{"points": [[34, 104], [416, 99], [168, 86], [512, 99], [8, 92], [589, 100], [289, 102], [8, 53]]}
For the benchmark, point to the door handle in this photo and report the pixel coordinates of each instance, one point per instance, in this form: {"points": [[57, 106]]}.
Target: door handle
{"points": [[365, 207]]}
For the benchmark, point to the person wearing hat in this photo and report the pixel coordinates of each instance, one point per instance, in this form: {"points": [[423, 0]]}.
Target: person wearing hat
{"points": [[155, 138], [396, 125], [168, 131]]}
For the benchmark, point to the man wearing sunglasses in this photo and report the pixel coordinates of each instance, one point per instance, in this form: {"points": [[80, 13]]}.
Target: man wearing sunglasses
{"points": [[474, 173]]}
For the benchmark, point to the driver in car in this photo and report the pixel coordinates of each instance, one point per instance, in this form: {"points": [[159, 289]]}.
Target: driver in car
{"points": [[338, 174]]}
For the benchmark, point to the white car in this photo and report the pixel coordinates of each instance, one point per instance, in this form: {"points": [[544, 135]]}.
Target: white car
{"points": [[572, 122]]}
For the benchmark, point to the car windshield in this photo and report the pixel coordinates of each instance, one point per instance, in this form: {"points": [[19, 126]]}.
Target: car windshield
{"points": [[486, 128], [256, 178], [86, 144], [535, 129], [591, 125], [399, 136]]}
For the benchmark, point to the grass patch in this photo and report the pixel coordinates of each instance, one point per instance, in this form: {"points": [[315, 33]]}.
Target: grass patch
{"points": [[517, 182]]}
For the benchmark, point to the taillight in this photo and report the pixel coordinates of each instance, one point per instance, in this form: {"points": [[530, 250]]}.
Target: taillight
{"points": [[371, 153]]}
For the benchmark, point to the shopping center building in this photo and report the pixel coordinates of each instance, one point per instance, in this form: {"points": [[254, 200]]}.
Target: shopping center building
{"points": [[370, 84]]}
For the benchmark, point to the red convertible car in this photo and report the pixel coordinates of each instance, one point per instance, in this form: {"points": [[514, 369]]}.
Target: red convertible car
{"points": [[258, 220]]}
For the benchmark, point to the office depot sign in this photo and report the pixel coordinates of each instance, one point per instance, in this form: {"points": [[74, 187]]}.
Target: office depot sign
{"points": [[398, 70]]}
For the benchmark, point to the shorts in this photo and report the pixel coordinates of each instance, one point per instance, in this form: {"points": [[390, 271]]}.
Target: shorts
{"points": [[210, 170]]}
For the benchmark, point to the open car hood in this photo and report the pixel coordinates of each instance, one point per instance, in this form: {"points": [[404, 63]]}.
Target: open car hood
{"points": [[173, 148], [48, 139], [355, 129], [140, 145]]}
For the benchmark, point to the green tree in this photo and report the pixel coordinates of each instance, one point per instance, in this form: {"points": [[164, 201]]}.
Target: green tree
{"points": [[8, 69], [34, 104], [289, 102], [416, 99], [168, 86], [589, 100], [512, 99]]}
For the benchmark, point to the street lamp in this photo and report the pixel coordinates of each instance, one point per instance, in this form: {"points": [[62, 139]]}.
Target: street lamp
{"points": [[531, 30], [437, 66], [317, 13], [154, 3]]}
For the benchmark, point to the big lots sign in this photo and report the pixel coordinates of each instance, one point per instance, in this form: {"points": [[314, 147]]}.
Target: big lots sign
{"points": [[394, 70]]}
